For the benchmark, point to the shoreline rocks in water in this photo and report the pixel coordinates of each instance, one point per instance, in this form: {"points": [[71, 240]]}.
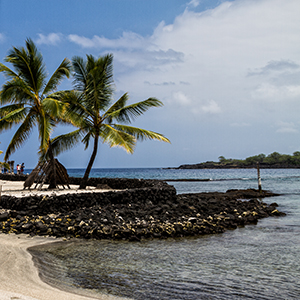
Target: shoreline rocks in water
{"points": [[134, 214]]}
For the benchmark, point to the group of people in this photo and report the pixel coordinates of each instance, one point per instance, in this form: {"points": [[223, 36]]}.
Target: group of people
{"points": [[20, 168]]}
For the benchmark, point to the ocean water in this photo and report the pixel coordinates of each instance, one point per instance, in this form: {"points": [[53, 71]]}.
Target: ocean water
{"points": [[253, 262]]}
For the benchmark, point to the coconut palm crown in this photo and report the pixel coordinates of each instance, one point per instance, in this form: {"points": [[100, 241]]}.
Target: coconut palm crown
{"points": [[28, 99], [92, 111]]}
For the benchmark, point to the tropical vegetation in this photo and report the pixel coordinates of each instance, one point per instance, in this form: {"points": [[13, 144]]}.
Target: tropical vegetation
{"points": [[29, 100], [91, 109], [273, 160]]}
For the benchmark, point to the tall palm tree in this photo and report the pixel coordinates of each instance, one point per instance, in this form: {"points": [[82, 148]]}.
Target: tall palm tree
{"points": [[30, 100], [91, 110]]}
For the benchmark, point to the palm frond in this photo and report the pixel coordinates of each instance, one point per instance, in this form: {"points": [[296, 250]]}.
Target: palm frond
{"points": [[106, 63], [7, 71], [72, 97], [16, 91], [4, 165], [29, 65], [5, 110], [86, 139], [75, 110], [4, 125], [65, 142], [53, 106], [80, 73], [78, 120], [128, 113], [99, 89], [119, 104], [141, 134], [13, 117], [114, 137], [62, 71], [90, 62], [21, 135]]}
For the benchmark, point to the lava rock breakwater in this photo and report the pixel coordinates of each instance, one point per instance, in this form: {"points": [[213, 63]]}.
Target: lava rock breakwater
{"points": [[148, 209]]}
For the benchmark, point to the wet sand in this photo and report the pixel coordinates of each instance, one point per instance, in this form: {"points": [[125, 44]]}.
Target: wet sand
{"points": [[19, 278]]}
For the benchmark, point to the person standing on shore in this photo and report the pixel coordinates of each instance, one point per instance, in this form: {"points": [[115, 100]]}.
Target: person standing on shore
{"points": [[22, 167]]}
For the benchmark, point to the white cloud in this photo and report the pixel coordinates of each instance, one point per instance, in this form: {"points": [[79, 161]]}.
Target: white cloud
{"points": [[276, 93], [161, 83], [50, 39], [186, 103], [129, 40], [293, 91], [265, 91], [215, 52], [286, 127], [1, 37], [275, 66], [194, 3], [278, 81], [244, 54], [181, 99], [148, 60], [211, 107], [82, 41]]}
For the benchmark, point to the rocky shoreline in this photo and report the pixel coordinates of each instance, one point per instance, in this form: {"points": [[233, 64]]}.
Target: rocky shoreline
{"points": [[134, 214], [216, 165]]}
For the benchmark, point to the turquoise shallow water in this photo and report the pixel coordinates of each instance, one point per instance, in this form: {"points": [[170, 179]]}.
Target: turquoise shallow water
{"points": [[254, 262]]}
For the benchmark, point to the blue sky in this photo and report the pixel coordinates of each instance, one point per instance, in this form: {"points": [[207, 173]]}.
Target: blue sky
{"points": [[227, 72]]}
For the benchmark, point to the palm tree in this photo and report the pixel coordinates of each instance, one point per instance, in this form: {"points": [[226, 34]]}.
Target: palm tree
{"points": [[31, 99], [91, 110]]}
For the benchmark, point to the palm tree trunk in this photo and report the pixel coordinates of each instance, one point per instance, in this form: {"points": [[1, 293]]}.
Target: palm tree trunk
{"points": [[85, 178], [52, 183]]}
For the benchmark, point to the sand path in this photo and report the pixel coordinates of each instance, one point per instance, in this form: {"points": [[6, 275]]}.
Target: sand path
{"points": [[15, 188]]}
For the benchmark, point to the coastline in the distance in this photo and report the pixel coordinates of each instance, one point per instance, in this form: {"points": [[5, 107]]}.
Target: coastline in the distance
{"points": [[274, 160]]}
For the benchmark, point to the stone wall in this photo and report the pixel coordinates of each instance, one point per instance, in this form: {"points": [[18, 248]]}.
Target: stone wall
{"points": [[12, 177], [121, 183], [114, 183], [128, 191], [133, 216], [134, 210]]}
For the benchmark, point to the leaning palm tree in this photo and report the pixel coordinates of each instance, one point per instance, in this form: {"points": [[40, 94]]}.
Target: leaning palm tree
{"points": [[30, 100], [91, 110]]}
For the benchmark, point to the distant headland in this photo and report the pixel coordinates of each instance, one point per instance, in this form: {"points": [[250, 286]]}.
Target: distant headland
{"points": [[274, 160]]}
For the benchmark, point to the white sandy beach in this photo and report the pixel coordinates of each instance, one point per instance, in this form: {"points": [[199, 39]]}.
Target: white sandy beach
{"points": [[19, 277], [15, 188]]}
